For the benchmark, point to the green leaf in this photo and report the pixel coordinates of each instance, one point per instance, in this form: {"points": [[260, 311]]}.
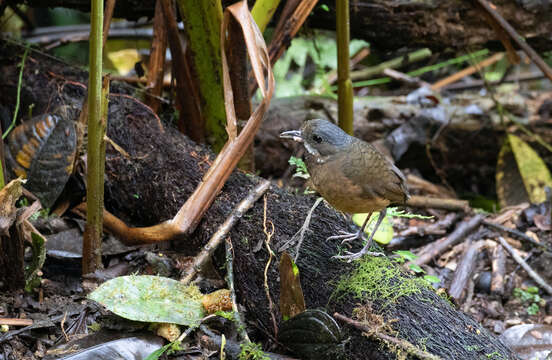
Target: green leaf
{"points": [[229, 315], [157, 353], [385, 230], [533, 309], [408, 255], [416, 268], [32, 273], [301, 168], [151, 299], [531, 171], [432, 279]]}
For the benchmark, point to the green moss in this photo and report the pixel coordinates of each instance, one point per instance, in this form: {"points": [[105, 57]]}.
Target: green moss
{"points": [[252, 351], [378, 278], [495, 356]]}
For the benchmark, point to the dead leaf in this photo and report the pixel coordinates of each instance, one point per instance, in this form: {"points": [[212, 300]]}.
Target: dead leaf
{"points": [[292, 301], [8, 196]]}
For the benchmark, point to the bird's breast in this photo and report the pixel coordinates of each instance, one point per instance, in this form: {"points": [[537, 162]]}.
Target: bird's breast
{"points": [[339, 190]]}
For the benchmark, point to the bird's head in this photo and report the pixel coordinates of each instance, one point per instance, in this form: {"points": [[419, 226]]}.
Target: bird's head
{"points": [[320, 137]]}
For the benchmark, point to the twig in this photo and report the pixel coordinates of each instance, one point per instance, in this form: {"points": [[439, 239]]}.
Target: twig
{"points": [[108, 16], [455, 237], [405, 78], [437, 228], [464, 270], [416, 182], [16, 321], [469, 296], [436, 203], [225, 228], [35, 325], [301, 231], [403, 344], [305, 227], [479, 83], [156, 64], [517, 38], [268, 235], [358, 57], [467, 71], [498, 266], [539, 280], [116, 146], [290, 22], [412, 57], [230, 281], [515, 233]]}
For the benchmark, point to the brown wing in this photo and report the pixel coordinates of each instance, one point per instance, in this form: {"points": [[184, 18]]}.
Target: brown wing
{"points": [[378, 177]]}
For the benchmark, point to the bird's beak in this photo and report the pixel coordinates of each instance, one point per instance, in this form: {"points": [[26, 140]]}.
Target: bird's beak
{"points": [[295, 135]]}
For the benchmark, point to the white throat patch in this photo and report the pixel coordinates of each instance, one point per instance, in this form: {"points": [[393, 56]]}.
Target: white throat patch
{"points": [[311, 150]]}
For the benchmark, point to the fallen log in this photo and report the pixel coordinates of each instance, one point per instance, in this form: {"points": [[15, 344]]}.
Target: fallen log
{"points": [[395, 24], [162, 169]]}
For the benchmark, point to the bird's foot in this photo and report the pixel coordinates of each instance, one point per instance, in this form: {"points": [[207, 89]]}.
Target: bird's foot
{"points": [[346, 237], [354, 256]]}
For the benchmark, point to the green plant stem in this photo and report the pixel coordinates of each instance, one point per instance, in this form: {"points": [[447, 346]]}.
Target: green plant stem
{"points": [[17, 100], [202, 21], [424, 69], [91, 252], [262, 12], [391, 64], [344, 84]]}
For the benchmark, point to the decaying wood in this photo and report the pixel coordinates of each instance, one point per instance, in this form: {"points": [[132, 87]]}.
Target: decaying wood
{"points": [[164, 169], [498, 275], [437, 203], [222, 232], [395, 24], [465, 269], [536, 277], [156, 66], [505, 25], [432, 250]]}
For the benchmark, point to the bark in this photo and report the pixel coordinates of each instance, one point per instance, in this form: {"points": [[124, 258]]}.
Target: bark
{"points": [[436, 24], [163, 169]]}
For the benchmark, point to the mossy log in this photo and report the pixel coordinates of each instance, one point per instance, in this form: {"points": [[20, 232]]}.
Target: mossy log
{"points": [[436, 24], [164, 167]]}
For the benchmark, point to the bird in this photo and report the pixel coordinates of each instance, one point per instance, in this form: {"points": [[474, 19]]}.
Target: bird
{"points": [[351, 175]]}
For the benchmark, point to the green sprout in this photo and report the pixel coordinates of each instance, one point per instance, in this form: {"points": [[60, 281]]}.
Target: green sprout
{"points": [[252, 351], [301, 168], [530, 295]]}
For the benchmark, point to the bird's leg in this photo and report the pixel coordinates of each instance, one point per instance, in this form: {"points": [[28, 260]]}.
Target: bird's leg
{"points": [[346, 237], [352, 256]]}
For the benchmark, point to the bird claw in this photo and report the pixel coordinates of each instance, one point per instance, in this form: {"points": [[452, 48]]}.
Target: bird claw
{"points": [[346, 236]]}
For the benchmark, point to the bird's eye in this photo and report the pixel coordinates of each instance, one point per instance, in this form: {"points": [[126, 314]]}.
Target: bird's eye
{"points": [[317, 138]]}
